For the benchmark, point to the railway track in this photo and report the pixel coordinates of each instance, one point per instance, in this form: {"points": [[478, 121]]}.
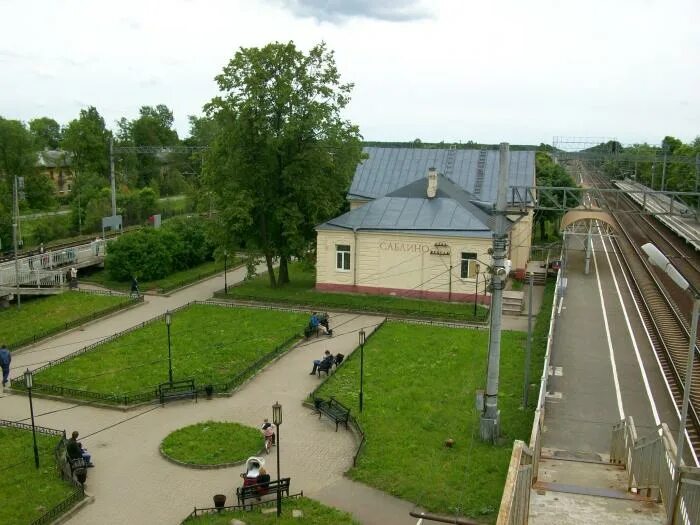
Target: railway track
{"points": [[665, 308]]}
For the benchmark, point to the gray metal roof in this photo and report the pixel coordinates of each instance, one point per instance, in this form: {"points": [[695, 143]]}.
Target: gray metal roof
{"points": [[438, 216], [387, 169]]}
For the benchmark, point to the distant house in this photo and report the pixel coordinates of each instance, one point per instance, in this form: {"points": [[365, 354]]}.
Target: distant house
{"points": [[56, 165], [420, 224]]}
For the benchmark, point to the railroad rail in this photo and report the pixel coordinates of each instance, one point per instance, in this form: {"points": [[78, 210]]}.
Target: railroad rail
{"points": [[665, 308]]}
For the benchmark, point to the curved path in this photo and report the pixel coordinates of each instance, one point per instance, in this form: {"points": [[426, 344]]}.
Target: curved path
{"points": [[133, 484]]}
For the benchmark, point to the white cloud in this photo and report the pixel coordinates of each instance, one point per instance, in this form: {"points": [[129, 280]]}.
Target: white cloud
{"points": [[439, 70]]}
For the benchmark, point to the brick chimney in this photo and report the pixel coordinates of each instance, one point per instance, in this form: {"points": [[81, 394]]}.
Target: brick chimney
{"points": [[432, 183]]}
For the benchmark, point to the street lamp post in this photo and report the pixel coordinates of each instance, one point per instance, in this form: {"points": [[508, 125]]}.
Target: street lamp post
{"points": [[277, 420], [29, 382], [657, 258], [362, 366], [225, 271], [168, 320]]}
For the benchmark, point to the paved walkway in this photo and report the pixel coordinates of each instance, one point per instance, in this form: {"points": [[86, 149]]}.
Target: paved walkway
{"points": [[132, 483]]}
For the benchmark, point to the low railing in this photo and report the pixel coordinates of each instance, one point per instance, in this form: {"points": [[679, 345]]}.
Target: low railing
{"points": [[25, 426], [75, 322], [131, 398], [515, 502], [247, 507], [650, 465], [524, 464]]}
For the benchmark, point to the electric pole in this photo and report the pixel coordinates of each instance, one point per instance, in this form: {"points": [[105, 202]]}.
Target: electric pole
{"points": [[111, 177], [490, 417], [15, 224]]}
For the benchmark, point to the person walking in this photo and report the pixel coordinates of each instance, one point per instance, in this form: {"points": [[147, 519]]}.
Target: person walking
{"points": [[74, 278], [5, 360], [134, 287]]}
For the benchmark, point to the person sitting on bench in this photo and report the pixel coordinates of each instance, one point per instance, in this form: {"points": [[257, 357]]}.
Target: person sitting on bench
{"points": [[323, 320], [75, 450], [315, 324], [326, 362]]}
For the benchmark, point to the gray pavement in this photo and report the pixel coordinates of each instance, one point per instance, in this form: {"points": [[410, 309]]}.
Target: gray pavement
{"points": [[599, 373], [132, 483]]}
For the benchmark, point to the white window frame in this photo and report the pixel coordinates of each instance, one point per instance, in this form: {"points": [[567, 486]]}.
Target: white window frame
{"points": [[471, 259], [342, 257]]}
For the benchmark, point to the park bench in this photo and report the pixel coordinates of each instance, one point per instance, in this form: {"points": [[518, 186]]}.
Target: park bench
{"points": [[337, 359], [78, 468], [255, 491], [333, 409], [184, 388]]}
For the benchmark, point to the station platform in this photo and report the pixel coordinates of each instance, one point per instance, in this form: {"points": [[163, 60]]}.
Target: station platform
{"points": [[603, 369]]}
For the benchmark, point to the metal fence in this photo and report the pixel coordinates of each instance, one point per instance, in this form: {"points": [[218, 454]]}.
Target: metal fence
{"points": [[247, 507], [59, 454], [650, 465], [131, 398], [75, 322], [524, 463]]}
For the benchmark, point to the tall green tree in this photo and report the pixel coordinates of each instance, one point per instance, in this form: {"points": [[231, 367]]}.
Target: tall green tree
{"points": [[549, 174], [283, 156], [153, 127], [87, 140], [46, 132]]}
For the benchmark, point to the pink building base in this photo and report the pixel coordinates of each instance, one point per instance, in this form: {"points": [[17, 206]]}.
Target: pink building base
{"points": [[400, 292]]}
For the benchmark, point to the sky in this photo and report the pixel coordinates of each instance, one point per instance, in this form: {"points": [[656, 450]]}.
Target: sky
{"points": [[518, 71]]}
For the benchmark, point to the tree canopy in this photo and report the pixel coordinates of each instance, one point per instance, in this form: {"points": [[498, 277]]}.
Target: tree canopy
{"points": [[282, 156], [46, 132]]}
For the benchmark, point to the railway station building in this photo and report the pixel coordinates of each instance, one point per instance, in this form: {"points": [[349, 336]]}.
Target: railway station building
{"points": [[420, 224]]}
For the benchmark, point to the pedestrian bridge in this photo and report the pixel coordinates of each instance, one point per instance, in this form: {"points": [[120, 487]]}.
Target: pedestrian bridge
{"points": [[47, 273]]}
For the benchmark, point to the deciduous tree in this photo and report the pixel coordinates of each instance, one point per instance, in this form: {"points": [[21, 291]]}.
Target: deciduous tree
{"points": [[283, 156]]}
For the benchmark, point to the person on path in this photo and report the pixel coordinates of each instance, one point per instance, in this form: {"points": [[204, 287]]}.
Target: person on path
{"points": [[134, 287], [75, 450], [268, 428], [74, 277], [5, 360], [326, 362]]}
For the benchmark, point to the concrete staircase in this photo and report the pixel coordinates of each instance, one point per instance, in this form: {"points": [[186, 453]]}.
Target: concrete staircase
{"points": [[512, 302], [576, 489]]}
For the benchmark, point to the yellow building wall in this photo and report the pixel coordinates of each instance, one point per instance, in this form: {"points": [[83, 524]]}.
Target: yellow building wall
{"points": [[521, 241], [400, 262]]}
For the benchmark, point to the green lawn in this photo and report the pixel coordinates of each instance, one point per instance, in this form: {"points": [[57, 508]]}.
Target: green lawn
{"points": [[213, 443], [209, 343], [42, 315], [28, 493], [301, 291], [314, 514], [419, 389], [171, 282]]}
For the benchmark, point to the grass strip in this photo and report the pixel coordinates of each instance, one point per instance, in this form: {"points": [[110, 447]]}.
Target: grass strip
{"points": [[314, 513], [39, 317], [28, 492], [300, 291], [208, 343], [419, 385], [166, 284]]}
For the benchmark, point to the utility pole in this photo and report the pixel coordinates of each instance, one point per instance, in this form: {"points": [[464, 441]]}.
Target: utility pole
{"points": [[663, 168], [490, 417], [15, 197], [112, 178]]}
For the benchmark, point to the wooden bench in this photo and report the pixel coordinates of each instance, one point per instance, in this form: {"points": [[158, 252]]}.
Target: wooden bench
{"points": [[333, 409], [177, 390], [78, 468], [256, 491]]}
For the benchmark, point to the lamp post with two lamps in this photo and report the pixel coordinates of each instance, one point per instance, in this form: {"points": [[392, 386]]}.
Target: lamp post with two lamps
{"points": [[277, 420], [29, 383], [656, 258], [168, 320]]}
